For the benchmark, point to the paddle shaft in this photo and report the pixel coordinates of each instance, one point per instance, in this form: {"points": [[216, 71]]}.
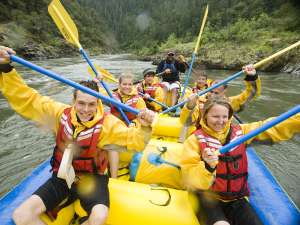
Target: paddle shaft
{"points": [[187, 78], [186, 82], [153, 100], [261, 129], [256, 65], [69, 30], [206, 91], [73, 84], [85, 56]]}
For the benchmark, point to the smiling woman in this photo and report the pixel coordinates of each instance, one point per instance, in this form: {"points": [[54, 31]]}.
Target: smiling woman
{"points": [[225, 175]]}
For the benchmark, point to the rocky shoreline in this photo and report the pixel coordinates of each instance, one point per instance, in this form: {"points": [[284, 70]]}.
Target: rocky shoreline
{"points": [[287, 64]]}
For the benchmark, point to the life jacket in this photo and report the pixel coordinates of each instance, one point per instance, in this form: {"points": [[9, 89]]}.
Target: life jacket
{"points": [[174, 76], [232, 170], [130, 102], [196, 89], [89, 159], [150, 90]]}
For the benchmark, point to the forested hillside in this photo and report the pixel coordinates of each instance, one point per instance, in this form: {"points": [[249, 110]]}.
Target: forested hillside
{"points": [[237, 31], [27, 27]]}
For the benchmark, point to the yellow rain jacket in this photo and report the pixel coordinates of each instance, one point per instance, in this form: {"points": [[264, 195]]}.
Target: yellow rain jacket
{"points": [[194, 173], [237, 102], [158, 96], [46, 112], [140, 104]]}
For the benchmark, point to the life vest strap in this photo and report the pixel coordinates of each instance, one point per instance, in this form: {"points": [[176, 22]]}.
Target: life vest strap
{"points": [[229, 158], [231, 176]]}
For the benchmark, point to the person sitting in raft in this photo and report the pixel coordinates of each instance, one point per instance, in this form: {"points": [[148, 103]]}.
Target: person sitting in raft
{"points": [[202, 82], [191, 112], [220, 181], [128, 95], [87, 127], [152, 89], [170, 67]]}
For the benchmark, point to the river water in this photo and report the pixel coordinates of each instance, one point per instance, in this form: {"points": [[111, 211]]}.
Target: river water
{"points": [[23, 146]]}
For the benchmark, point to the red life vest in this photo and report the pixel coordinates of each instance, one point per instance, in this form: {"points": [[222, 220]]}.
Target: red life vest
{"points": [[232, 169], [150, 90], [89, 158], [196, 89], [130, 102]]}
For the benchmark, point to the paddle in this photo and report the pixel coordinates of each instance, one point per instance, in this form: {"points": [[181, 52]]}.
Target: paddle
{"points": [[261, 129], [256, 65], [69, 30], [153, 100], [106, 74], [187, 78], [73, 84]]}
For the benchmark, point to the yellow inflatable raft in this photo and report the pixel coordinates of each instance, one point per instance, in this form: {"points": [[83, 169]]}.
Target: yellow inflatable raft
{"points": [[135, 203], [138, 204]]}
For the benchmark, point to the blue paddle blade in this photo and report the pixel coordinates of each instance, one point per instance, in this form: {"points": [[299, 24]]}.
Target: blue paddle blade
{"points": [[154, 159]]}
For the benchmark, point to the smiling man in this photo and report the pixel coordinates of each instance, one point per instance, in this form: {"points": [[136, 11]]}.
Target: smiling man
{"points": [[82, 124]]}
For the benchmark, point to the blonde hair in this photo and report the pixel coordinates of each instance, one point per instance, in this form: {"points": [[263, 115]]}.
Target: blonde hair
{"points": [[125, 76], [217, 100]]}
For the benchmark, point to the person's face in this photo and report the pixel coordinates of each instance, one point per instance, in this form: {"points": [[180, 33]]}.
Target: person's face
{"points": [[220, 91], [217, 117], [149, 78], [201, 82], [85, 106], [170, 57], [126, 86]]}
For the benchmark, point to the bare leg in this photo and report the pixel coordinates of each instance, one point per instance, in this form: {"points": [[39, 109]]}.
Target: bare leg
{"points": [[98, 215], [113, 157], [174, 93], [222, 222], [165, 92], [29, 211]]}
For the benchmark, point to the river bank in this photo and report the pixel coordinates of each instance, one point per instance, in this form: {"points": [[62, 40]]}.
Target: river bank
{"points": [[230, 57]]}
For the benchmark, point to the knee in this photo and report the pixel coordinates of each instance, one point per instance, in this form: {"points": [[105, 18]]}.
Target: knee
{"points": [[174, 90], [99, 215], [20, 216], [28, 211], [221, 222]]}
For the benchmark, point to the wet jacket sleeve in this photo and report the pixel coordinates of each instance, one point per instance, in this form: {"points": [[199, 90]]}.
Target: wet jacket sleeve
{"points": [[281, 132], [194, 173], [239, 102], [29, 103], [189, 116], [141, 104], [158, 97], [116, 135]]}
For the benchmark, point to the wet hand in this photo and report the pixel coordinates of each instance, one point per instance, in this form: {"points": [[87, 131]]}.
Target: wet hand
{"points": [[192, 101], [98, 80], [249, 70], [146, 117], [211, 157], [4, 54], [167, 71], [147, 96]]}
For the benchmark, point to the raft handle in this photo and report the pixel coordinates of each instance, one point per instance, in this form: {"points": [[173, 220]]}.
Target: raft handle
{"points": [[168, 200]]}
